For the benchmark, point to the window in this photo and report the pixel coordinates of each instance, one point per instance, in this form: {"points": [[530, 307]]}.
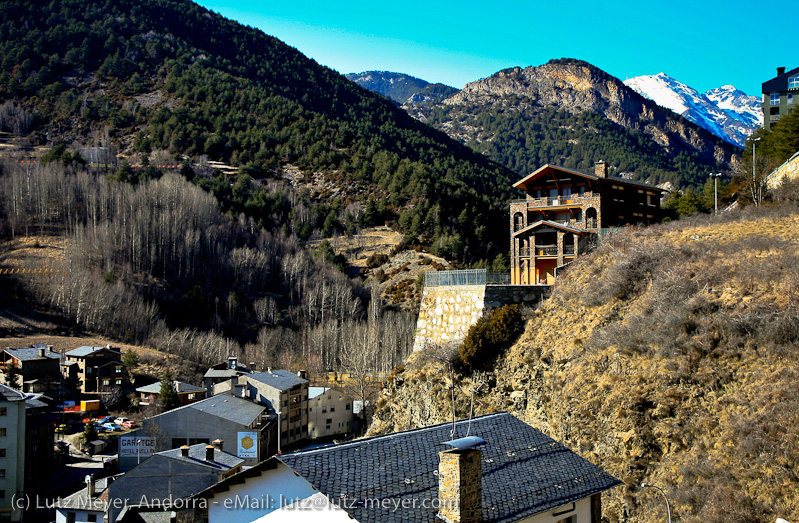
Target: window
{"points": [[3, 411], [91, 518], [332, 409], [324, 410], [793, 82], [106, 382], [774, 99], [2, 453], [119, 370], [2, 494], [2, 431], [119, 381], [70, 517], [347, 407], [790, 98], [191, 395], [2, 473], [570, 519], [329, 421]]}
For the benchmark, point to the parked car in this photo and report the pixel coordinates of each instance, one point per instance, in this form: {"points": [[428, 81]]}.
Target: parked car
{"points": [[62, 428], [130, 424], [120, 421], [111, 426], [106, 419], [110, 463]]}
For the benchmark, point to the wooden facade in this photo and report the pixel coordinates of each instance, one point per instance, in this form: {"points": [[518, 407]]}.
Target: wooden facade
{"points": [[564, 211]]}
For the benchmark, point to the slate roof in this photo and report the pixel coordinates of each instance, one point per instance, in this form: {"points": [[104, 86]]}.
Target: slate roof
{"points": [[524, 471], [180, 387], [225, 373], [80, 500], [779, 83], [32, 353], [222, 460], [229, 407], [84, 351], [278, 379], [9, 394], [521, 183]]}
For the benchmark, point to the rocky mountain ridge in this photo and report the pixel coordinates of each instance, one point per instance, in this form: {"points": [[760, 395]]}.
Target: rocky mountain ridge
{"points": [[405, 90], [577, 87], [725, 111]]}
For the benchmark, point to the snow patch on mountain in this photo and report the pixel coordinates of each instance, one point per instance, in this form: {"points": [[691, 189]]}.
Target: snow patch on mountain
{"points": [[726, 112]]}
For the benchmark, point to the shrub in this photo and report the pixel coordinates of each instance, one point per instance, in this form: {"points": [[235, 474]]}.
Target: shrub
{"points": [[490, 337]]}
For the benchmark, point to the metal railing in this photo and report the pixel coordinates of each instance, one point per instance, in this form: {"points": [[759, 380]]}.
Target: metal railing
{"points": [[546, 250], [465, 277]]}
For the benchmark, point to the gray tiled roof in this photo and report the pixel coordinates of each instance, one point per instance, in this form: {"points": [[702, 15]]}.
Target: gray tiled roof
{"points": [[9, 394], [155, 388], [86, 350], [278, 379], [524, 471], [224, 373], [32, 353], [81, 500], [230, 407], [222, 460]]}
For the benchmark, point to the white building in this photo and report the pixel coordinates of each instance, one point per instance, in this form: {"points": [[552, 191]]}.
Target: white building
{"points": [[12, 452], [329, 412]]}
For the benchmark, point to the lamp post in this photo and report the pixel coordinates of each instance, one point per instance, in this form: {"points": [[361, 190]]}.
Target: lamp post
{"points": [[668, 508], [138, 448], [755, 189], [715, 177]]}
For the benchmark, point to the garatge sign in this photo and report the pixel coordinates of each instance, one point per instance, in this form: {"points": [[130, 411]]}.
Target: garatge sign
{"points": [[133, 447]]}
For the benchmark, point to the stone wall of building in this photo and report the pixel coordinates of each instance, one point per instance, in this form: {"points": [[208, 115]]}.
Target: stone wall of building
{"points": [[447, 312]]}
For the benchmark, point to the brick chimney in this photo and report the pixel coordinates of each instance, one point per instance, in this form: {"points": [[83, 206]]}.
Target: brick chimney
{"points": [[780, 71], [601, 169], [209, 452], [460, 485]]}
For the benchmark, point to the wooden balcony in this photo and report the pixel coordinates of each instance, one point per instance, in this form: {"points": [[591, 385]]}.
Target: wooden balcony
{"points": [[562, 201]]}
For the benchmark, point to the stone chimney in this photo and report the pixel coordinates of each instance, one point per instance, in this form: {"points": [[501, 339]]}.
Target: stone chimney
{"points": [[90, 485], [218, 443], [780, 71], [209, 452], [601, 169], [252, 366], [42, 352], [238, 390], [460, 485], [232, 361], [184, 451]]}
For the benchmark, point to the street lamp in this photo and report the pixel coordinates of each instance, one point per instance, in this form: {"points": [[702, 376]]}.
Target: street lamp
{"points": [[668, 508], [715, 177], [138, 448]]}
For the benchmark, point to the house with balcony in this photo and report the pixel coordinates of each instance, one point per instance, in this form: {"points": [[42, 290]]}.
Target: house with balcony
{"points": [[96, 369], [38, 369], [564, 211], [780, 95]]}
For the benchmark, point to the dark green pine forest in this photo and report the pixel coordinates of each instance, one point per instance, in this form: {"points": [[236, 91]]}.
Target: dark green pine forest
{"points": [[171, 75]]}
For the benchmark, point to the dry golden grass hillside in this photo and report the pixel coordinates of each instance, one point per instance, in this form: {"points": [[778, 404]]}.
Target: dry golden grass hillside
{"points": [[667, 356]]}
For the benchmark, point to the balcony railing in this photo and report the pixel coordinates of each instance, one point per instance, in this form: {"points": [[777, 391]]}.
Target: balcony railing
{"points": [[546, 250], [465, 277], [524, 252], [568, 250], [573, 199]]}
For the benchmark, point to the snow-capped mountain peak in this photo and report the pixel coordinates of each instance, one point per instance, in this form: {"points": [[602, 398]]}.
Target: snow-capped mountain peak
{"points": [[725, 111]]}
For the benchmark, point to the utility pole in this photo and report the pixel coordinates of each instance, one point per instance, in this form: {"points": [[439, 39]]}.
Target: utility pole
{"points": [[715, 177]]}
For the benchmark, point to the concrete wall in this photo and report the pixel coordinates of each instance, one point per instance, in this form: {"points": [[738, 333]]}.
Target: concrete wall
{"points": [[447, 312], [12, 420]]}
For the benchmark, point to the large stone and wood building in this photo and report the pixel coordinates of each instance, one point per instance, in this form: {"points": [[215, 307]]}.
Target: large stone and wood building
{"points": [[96, 369], [780, 96], [565, 210]]}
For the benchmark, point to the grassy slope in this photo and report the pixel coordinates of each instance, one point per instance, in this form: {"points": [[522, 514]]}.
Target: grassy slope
{"points": [[667, 356]]}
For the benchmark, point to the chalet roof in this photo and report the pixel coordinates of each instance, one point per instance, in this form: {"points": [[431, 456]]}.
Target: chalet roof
{"points": [[82, 352], [32, 353], [779, 83], [548, 223], [222, 460], [278, 379], [548, 168], [524, 471], [221, 373], [180, 387]]}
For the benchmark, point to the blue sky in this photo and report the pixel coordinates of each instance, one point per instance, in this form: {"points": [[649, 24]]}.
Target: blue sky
{"points": [[702, 44]]}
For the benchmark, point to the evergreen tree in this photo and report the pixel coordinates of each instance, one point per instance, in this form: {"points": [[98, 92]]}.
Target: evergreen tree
{"points": [[169, 395]]}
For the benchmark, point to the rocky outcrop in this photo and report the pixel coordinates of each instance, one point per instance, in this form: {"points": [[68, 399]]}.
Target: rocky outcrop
{"points": [[577, 87]]}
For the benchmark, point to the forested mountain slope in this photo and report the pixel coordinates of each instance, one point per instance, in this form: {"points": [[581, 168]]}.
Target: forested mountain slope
{"points": [[169, 74], [568, 112], [402, 88], [669, 356]]}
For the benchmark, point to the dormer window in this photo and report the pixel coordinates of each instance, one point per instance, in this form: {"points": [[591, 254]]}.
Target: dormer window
{"points": [[774, 99], [793, 82]]}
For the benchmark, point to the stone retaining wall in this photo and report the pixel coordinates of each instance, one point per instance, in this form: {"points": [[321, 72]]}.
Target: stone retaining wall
{"points": [[447, 312]]}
